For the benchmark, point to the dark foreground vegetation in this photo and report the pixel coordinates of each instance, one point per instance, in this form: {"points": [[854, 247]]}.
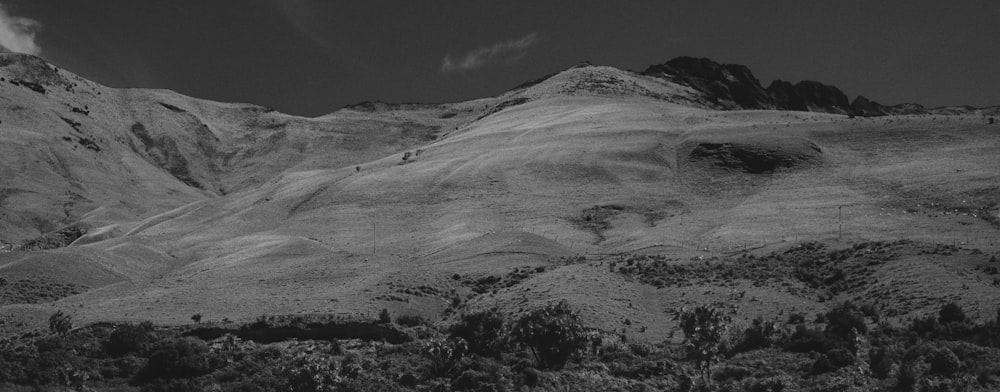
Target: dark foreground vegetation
{"points": [[850, 347]]}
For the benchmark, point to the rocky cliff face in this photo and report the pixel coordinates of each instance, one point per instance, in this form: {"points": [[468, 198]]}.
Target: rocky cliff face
{"points": [[809, 96], [865, 107], [731, 86]]}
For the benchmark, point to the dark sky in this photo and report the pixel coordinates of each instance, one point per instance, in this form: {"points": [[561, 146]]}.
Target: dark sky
{"points": [[311, 57]]}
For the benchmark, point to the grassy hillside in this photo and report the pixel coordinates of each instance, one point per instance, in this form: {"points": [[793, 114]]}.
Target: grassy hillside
{"points": [[625, 196]]}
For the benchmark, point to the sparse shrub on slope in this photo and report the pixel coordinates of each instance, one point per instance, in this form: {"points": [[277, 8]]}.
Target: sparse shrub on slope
{"points": [[384, 317], [553, 334], [60, 322]]}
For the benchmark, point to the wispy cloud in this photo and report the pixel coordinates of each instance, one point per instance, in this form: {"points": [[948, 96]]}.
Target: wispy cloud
{"points": [[17, 34], [506, 51]]}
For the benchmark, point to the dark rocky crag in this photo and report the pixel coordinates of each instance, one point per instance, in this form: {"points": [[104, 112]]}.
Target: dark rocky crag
{"points": [[729, 86], [732, 86]]}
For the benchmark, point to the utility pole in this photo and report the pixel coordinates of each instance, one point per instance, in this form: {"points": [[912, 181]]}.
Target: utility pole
{"points": [[373, 236]]}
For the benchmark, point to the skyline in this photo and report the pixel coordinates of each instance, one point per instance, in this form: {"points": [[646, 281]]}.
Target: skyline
{"points": [[310, 58]]}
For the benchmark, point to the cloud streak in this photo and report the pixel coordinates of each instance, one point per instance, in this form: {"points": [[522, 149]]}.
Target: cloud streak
{"points": [[506, 52], [17, 34]]}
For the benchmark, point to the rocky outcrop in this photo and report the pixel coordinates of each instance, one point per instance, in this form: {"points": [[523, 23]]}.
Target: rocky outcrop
{"points": [[865, 107], [730, 86], [808, 96], [31, 71]]}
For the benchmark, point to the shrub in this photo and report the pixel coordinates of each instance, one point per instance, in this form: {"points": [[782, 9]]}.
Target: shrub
{"points": [[180, 385], [823, 365], [125, 339], [840, 357], [553, 333], [908, 377], [411, 320], [177, 358], [844, 320], [704, 329], [771, 384], [60, 322], [484, 331], [951, 313], [310, 373], [445, 355], [871, 311], [925, 326], [384, 317], [945, 362], [759, 335], [881, 361], [806, 339]]}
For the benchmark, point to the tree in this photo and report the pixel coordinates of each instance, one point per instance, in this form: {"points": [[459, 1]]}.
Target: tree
{"points": [[704, 331], [60, 322], [553, 333], [196, 318]]}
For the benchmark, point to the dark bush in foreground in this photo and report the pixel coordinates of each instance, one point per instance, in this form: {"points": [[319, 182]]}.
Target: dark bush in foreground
{"points": [[484, 331], [759, 335], [553, 333], [881, 361], [844, 320], [951, 313], [177, 358], [127, 338], [945, 362], [909, 376], [445, 355], [806, 339], [411, 320]]}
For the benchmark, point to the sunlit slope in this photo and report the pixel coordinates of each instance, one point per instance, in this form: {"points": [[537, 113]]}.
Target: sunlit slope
{"points": [[581, 174], [410, 207], [76, 152]]}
